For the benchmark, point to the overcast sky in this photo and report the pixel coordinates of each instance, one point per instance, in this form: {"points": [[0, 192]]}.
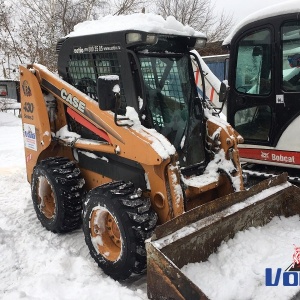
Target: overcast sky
{"points": [[242, 8]]}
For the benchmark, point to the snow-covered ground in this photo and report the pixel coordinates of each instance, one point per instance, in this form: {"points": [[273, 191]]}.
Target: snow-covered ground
{"points": [[37, 264]]}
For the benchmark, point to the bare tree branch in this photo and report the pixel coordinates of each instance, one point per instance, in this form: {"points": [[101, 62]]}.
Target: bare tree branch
{"points": [[30, 29], [198, 14]]}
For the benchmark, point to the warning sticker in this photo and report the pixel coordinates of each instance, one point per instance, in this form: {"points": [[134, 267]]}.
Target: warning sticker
{"points": [[280, 99], [29, 136]]}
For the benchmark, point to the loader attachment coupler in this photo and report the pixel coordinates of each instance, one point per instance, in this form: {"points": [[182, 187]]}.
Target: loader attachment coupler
{"points": [[193, 236]]}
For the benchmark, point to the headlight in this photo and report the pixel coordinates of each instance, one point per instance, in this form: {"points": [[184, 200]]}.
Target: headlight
{"points": [[133, 37], [136, 37], [200, 43], [151, 39]]}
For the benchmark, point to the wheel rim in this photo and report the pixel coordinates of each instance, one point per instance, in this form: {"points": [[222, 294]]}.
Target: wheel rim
{"points": [[45, 198], [105, 234]]}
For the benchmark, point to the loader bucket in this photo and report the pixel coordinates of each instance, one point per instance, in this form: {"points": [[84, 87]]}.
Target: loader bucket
{"points": [[193, 236]]}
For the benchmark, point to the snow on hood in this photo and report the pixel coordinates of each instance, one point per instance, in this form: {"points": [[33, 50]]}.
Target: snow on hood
{"points": [[285, 7], [159, 143], [145, 22]]}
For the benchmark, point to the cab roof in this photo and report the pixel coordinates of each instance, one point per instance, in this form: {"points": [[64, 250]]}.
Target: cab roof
{"points": [[286, 7]]}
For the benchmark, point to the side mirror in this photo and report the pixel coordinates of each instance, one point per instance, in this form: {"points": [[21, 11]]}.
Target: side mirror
{"points": [[224, 89], [107, 88]]}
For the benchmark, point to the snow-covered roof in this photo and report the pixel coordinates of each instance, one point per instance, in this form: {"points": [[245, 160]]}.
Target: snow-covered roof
{"points": [[283, 8], [148, 22]]}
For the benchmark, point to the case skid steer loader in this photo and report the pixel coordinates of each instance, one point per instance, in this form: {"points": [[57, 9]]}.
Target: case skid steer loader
{"points": [[122, 143]]}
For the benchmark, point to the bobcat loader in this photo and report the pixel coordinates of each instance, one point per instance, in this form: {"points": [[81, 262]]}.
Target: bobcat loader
{"points": [[122, 143], [263, 102]]}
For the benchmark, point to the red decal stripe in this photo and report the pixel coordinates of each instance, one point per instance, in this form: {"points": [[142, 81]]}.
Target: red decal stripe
{"points": [[276, 156], [88, 125], [212, 94], [197, 76]]}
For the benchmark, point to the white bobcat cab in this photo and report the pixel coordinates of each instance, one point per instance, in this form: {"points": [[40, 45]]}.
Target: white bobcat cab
{"points": [[264, 96]]}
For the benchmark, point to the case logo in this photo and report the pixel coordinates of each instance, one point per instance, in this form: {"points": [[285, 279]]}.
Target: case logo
{"points": [[26, 88], [73, 100]]}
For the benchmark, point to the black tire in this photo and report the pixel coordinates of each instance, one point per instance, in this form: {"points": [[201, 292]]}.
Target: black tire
{"points": [[116, 222], [57, 193]]}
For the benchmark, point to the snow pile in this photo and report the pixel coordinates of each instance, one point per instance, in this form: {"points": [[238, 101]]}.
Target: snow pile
{"points": [[94, 156], [146, 22], [285, 7], [7, 119], [237, 270], [212, 173]]}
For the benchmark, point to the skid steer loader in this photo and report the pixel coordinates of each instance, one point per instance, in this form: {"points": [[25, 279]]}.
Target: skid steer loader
{"points": [[123, 143]]}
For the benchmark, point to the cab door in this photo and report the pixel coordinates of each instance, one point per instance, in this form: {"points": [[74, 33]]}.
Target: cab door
{"points": [[251, 107]]}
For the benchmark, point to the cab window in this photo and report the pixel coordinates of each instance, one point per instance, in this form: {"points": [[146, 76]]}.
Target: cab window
{"points": [[290, 39], [254, 123], [253, 71]]}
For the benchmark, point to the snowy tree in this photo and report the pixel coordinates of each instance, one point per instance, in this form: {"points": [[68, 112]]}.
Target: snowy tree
{"points": [[9, 43], [30, 29]]}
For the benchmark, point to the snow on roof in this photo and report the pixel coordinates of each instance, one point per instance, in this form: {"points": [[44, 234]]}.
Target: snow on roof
{"points": [[145, 22], [283, 8]]}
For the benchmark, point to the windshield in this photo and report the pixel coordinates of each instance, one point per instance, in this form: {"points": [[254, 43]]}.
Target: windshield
{"points": [[170, 94]]}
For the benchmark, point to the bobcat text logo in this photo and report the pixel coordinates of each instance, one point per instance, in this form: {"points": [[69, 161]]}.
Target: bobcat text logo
{"points": [[283, 158], [72, 100]]}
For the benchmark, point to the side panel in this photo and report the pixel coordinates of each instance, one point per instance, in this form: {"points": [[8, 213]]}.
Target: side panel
{"points": [[269, 156], [289, 139]]}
